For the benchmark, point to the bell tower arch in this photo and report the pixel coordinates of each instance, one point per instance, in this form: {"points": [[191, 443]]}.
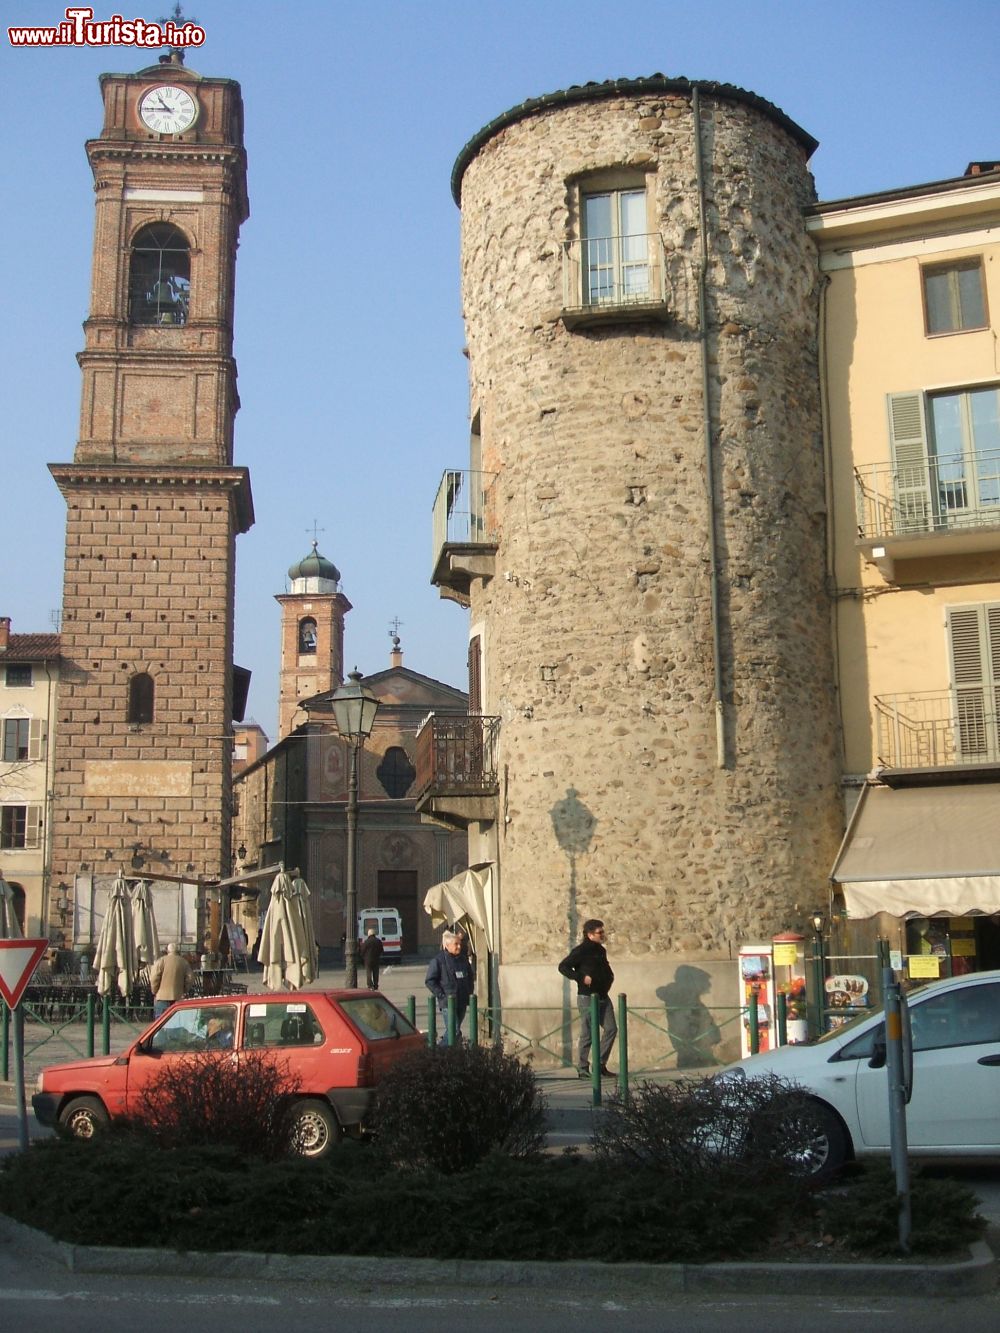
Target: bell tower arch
{"points": [[154, 502]]}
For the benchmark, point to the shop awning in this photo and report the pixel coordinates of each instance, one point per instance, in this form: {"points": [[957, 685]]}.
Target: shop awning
{"points": [[466, 898], [922, 851]]}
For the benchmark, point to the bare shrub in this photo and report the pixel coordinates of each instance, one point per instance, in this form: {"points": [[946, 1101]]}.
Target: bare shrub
{"points": [[210, 1099], [751, 1129], [450, 1107]]}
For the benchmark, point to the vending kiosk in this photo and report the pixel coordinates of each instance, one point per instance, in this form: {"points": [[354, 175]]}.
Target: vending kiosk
{"points": [[757, 979]]}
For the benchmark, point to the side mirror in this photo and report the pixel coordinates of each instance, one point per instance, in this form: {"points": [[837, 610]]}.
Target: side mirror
{"points": [[878, 1050]]}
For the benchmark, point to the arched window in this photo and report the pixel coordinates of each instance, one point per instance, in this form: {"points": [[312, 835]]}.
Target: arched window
{"points": [[140, 698], [159, 276], [307, 635]]}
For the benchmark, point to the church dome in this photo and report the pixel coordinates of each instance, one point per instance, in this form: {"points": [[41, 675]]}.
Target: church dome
{"points": [[314, 566]]}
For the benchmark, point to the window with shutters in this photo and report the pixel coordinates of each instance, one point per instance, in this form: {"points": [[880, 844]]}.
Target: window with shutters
{"points": [[974, 644], [16, 731], [475, 674], [945, 459], [954, 296], [20, 827]]}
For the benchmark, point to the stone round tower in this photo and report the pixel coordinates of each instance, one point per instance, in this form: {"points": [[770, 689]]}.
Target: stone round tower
{"points": [[641, 304]]}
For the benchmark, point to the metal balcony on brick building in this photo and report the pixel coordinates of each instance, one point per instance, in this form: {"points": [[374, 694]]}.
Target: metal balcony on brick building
{"points": [[457, 768], [932, 730], [464, 532], [938, 506], [614, 278]]}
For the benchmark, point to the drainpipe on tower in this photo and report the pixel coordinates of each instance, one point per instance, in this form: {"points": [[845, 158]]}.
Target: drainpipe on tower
{"points": [[713, 527]]}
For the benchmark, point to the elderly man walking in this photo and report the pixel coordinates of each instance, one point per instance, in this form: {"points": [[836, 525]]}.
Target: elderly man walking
{"points": [[451, 972], [169, 977]]}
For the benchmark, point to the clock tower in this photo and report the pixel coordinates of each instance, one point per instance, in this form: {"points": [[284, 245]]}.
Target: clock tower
{"points": [[154, 503]]}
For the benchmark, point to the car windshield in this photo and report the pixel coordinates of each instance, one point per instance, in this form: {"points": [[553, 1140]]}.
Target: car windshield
{"points": [[844, 1028], [376, 1018]]}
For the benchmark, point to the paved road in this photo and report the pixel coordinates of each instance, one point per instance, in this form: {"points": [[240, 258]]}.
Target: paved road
{"points": [[38, 1296]]}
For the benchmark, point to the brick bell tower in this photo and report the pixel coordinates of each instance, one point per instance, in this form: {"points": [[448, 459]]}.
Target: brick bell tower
{"points": [[154, 503], [312, 636]]}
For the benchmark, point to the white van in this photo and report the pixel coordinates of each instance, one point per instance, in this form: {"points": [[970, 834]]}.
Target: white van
{"points": [[387, 926]]}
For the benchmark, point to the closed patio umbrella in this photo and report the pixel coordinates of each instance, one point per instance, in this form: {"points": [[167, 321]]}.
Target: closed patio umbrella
{"points": [[114, 955], [300, 901], [284, 950], [147, 939], [10, 927]]}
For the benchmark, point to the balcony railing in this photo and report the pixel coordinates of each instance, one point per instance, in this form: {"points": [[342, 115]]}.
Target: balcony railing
{"points": [[463, 524], [614, 274], [940, 494], [457, 756], [938, 729]]}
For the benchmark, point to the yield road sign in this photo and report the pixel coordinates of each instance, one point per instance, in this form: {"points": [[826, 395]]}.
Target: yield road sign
{"points": [[18, 960]]}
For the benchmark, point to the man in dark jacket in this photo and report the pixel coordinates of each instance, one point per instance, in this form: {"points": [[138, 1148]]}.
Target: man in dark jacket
{"points": [[588, 966], [371, 952], [451, 972]]}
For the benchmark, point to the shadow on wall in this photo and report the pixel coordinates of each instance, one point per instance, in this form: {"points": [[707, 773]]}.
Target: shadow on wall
{"points": [[573, 825], [690, 1025]]}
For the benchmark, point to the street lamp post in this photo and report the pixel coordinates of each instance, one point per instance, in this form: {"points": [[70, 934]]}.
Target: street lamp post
{"points": [[818, 922], [354, 707]]}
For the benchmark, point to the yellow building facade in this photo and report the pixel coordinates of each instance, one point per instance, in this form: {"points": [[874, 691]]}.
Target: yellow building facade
{"points": [[911, 394]]}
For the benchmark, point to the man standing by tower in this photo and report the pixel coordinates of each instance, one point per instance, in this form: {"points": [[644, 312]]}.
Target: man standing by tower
{"points": [[588, 966]]}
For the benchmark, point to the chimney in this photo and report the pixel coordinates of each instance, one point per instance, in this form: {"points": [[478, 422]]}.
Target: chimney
{"points": [[4, 633]]}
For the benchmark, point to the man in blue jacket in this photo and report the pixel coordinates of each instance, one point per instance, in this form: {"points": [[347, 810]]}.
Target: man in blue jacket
{"points": [[588, 966], [451, 972]]}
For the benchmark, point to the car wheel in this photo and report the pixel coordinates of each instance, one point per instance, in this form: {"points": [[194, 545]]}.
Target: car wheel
{"points": [[829, 1146], [83, 1117], [315, 1130]]}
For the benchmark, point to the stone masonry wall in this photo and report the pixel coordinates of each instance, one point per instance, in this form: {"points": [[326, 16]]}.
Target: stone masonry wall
{"points": [[597, 629]]}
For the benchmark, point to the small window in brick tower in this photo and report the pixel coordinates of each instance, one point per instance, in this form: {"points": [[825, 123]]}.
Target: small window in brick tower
{"points": [[395, 772], [140, 698], [159, 276], [307, 635]]}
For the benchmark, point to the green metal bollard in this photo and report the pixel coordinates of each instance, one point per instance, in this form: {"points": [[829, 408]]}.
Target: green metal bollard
{"points": [[411, 1009], [754, 1019], [595, 1049], [5, 1044], [473, 1021], [106, 1026], [90, 1025], [451, 1027], [781, 1017], [623, 1046], [431, 1022]]}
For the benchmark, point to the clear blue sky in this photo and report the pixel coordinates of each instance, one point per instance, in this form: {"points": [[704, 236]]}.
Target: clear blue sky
{"points": [[348, 323]]}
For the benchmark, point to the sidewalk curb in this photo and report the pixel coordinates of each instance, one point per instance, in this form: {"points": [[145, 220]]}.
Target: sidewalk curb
{"points": [[968, 1277]]}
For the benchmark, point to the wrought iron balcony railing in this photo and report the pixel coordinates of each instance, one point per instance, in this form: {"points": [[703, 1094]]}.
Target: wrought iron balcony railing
{"points": [[457, 755], [938, 728], [941, 494], [614, 273]]}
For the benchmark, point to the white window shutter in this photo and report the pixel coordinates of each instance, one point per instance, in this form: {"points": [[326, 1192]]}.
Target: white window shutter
{"points": [[912, 507], [33, 825], [36, 738]]}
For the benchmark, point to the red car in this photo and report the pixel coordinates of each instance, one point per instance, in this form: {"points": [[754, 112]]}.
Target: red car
{"points": [[337, 1044]]}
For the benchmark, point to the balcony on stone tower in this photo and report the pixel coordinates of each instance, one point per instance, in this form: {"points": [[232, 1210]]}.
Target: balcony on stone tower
{"points": [[457, 781], [464, 531], [932, 506], [615, 279]]}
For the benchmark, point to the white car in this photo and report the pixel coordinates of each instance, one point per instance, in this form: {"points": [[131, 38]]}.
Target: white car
{"points": [[955, 1105]]}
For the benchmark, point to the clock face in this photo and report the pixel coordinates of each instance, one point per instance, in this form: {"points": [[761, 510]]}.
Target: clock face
{"points": [[168, 110]]}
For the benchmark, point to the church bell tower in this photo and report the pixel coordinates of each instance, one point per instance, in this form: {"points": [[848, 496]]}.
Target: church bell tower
{"points": [[154, 503]]}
